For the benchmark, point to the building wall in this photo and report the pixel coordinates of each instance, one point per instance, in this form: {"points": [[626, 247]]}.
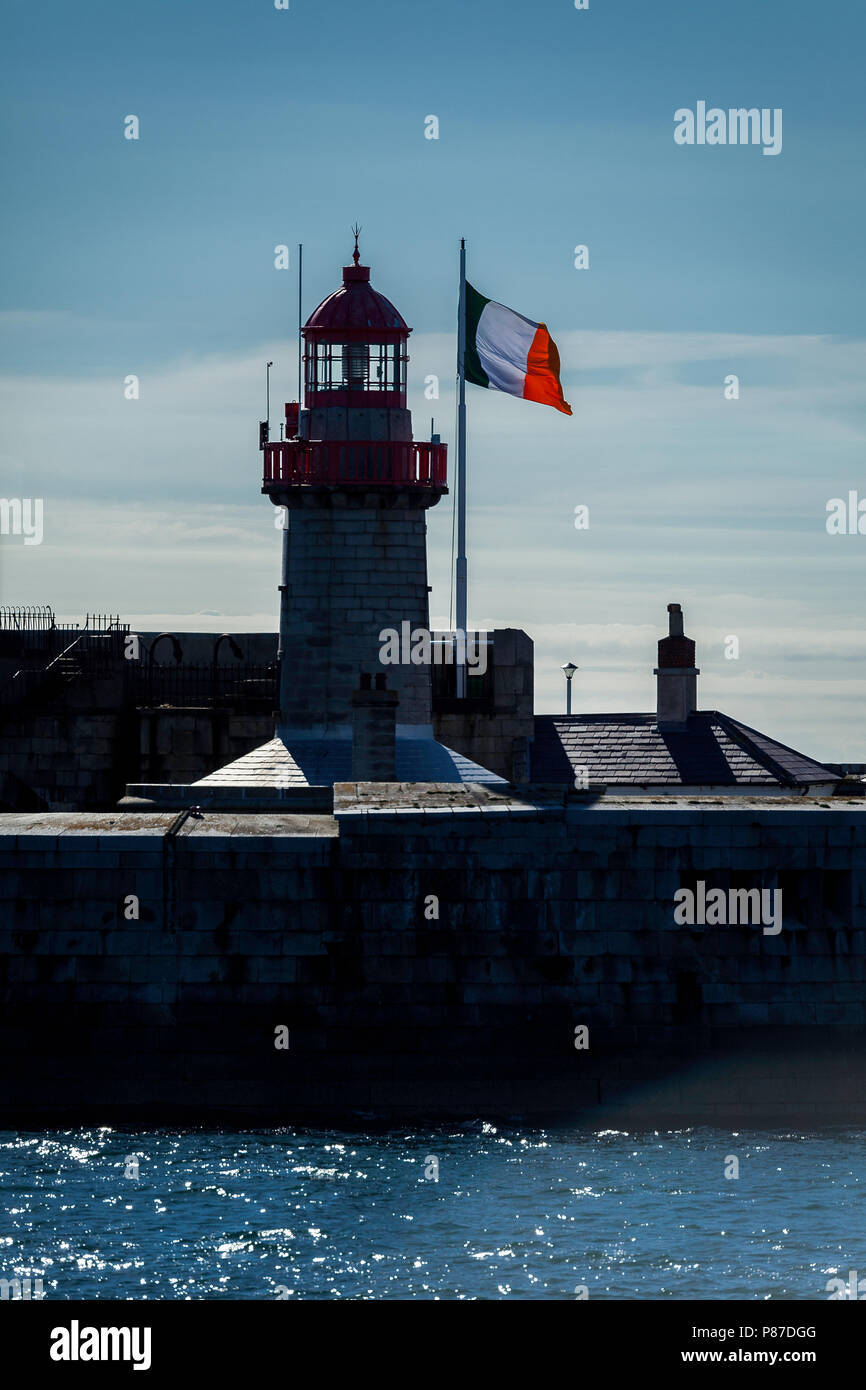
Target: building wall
{"points": [[73, 754], [183, 745], [77, 748], [81, 755], [432, 961], [498, 738]]}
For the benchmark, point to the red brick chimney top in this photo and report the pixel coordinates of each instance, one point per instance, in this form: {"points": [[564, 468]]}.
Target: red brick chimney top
{"points": [[676, 650]]}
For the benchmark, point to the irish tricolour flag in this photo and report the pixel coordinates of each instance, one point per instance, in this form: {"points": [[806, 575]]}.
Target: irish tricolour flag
{"points": [[506, 352]]}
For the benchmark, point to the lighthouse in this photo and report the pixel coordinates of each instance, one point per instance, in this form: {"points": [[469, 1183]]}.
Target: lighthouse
{"points": [[356, 487]]}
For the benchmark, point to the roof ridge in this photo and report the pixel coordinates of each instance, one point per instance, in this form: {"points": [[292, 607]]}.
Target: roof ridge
{"points": [[601, 714], [778, 743], [739, 733]]}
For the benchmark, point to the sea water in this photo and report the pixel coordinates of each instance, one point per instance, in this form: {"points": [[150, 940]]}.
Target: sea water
{"points": [[468, 1212]]}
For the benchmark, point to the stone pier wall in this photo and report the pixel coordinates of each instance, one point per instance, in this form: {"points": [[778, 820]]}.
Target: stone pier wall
{"points": [[433, 960]]}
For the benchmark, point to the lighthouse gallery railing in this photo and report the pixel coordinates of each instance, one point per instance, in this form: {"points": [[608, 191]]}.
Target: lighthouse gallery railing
{"points": [[333, 461]]}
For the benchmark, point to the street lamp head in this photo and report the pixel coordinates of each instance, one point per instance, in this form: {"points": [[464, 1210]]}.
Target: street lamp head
{"points": [[569, 668]]}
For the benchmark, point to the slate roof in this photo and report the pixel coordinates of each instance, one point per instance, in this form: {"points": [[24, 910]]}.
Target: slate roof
{"points": [[629, 749], [320, 762]]}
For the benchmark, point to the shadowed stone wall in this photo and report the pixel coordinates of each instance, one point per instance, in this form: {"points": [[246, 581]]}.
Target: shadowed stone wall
{"points": [[73, 754], [76, 744], [433, 959], [182, 745], [497, 738]]}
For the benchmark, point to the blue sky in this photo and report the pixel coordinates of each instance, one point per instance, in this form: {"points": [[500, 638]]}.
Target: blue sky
{"points": [[261, 127]]}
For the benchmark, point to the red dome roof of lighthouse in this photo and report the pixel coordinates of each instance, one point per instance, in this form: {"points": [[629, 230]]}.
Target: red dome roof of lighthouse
{"points": [[356, 308]]}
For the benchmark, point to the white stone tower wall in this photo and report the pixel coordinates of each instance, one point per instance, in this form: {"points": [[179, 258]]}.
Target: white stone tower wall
{"points": [[357, 565]]}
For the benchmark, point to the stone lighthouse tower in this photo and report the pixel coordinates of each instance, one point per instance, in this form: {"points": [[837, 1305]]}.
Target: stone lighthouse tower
{"points": [[356, 486]]}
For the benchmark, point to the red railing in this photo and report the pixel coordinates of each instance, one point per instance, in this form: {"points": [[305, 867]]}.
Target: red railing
{"points": [[395, 463]]}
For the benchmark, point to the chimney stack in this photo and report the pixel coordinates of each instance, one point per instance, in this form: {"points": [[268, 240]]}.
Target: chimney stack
{"points": [[374, 718], [677, 675]]}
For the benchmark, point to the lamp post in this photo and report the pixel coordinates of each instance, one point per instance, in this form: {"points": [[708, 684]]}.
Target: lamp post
{"points": [[569, 668]]}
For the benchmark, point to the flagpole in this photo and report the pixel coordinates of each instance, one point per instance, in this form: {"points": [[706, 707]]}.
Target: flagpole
{"points": [[300, 323], [461, 477]]}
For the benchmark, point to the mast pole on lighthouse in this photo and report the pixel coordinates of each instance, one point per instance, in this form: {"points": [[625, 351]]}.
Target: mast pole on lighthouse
{"points": [[284, 564]]}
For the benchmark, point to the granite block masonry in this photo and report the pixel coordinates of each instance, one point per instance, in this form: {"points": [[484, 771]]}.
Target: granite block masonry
{"points": [[346, 579], [374, 714], [436, 951]]}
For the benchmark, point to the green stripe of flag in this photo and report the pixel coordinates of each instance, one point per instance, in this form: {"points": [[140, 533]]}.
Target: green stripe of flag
{"points": [[475, 304]]}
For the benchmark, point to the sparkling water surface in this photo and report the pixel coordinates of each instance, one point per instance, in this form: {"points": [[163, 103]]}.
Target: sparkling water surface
{"points": [[515, 1213]]}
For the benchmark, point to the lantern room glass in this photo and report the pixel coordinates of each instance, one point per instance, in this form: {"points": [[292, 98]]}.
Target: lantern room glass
{"points": [[357, 366]]}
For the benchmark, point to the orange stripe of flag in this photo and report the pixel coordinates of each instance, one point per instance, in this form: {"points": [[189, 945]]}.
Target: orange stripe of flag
{"points": [[542, 382]]}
